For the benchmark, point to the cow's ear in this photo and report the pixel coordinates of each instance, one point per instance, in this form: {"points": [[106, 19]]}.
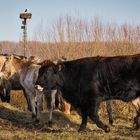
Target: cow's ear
{"points": [[59, 67], [45, 62]]}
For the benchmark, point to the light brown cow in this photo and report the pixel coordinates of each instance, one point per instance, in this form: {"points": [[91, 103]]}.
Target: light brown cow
{"points": [[27, 71], [12, 83]]}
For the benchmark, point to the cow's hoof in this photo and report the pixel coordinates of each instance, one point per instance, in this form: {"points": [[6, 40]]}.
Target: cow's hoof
{"points": [[107, 129], [50, 123], [81, 129]]}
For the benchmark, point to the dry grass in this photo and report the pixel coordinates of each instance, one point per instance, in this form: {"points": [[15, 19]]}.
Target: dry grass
{"points": [[17, 124]]}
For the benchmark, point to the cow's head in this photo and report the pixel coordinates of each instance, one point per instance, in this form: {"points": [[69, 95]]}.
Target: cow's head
{"points": [[5, 71], [48, 76], [12, 65]]}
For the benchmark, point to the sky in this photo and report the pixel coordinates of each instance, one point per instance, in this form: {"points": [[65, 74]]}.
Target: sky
{"points": [[46, 11]]}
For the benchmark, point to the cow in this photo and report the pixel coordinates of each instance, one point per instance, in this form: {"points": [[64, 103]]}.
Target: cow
{"points": [[86, 82], [12, 83], [25, 72], [5, 83], [56, 98], [8, 84]]}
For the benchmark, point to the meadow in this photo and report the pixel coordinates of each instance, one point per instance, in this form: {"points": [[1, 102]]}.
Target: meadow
{"points": [[71, 38]]}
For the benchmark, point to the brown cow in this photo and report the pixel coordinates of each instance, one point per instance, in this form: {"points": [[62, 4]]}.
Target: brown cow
{"points": [[13, 83], [27, 72]]}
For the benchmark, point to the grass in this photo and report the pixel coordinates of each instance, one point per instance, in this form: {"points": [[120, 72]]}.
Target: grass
{"points": [[17, 124]]}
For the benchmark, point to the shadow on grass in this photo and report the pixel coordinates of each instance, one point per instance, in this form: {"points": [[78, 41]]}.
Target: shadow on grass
{"points": [[127, 131], [24, 120]]}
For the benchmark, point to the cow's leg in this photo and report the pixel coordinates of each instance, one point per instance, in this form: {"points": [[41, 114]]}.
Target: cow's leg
{"points": [[33, 105], [84, 118], [7, 95], [40, 102], [31, 96], [136, 104], [39, 105], [3, 99], [109, 111], [27, 99], [65, 106], [57, 100], [93, 114], [32, 101], [50, 101], [36, 105], [1, 95], [53, 94]]}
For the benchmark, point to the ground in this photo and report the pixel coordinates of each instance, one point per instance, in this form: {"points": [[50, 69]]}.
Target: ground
{"points": [[17, 124]]}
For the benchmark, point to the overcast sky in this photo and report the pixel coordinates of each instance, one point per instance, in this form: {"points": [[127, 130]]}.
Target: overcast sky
{"points": [[46, 11]]}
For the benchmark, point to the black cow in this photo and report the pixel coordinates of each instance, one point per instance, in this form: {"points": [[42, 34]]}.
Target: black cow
{"points": [[86, 82]]}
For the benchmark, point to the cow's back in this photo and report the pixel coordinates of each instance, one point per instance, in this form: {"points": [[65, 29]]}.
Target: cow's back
{"points": [[104, 76]]}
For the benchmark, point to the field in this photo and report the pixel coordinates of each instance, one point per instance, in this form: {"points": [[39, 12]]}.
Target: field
{"points": [[71, 38], [16, 123]]}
